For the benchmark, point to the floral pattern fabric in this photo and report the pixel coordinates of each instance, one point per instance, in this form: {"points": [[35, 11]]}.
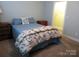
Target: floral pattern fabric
{"points": [[30, 38]]}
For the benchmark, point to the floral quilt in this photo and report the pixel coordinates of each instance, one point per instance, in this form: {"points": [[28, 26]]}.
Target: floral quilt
{"points": [[30, 38]]}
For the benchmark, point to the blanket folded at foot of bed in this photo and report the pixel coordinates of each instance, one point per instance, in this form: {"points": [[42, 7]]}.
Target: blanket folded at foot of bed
{"points": [[30, 38]]}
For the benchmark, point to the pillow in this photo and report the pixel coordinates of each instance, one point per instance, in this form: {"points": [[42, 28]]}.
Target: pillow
{"points": [[24, 20], [31, 19], [17, 21]]}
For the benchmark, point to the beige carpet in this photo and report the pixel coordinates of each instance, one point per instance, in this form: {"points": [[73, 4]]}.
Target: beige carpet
{"points": [[67, 47]]}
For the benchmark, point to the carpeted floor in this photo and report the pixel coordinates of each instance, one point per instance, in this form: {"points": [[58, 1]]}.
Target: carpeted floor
{"points": [[67, 47]]}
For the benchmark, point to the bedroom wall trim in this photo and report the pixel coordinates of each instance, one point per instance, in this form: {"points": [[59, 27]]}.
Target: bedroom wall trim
{"points": [[72, 38]]}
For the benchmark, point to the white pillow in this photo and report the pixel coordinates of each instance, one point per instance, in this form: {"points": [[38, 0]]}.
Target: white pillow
{"points": [[31, 19], [25, 20]]}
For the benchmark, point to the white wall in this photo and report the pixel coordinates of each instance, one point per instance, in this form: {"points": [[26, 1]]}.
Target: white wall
{"points": [[19, 9], [40, 9], [71, 25], [48, 11]]}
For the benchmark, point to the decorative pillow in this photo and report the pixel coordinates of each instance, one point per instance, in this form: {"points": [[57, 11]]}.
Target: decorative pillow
{"points": [[31, 19], [17, 21], [24, 20]]}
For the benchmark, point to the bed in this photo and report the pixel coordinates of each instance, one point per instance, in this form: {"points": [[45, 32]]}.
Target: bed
{"points": [[18, 29]]}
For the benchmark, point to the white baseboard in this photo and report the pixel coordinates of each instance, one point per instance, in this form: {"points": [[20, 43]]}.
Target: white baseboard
{"points": [[75, 39]]}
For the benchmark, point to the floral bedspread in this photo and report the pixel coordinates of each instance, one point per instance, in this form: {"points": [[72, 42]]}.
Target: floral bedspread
{"points": [[29, 38]]}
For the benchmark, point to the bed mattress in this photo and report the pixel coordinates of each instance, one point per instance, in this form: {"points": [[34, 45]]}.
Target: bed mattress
{"points": [[17, 29]]}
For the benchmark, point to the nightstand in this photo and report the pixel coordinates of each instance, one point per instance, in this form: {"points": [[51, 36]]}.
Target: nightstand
{"points": [[42, 22], [5, 30]]}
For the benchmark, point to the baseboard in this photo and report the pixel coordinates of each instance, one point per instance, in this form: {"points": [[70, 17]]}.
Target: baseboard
{"points": [[72, 38]]}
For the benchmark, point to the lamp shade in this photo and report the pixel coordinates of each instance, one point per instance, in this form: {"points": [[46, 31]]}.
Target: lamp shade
{"points": [[0, 10]]}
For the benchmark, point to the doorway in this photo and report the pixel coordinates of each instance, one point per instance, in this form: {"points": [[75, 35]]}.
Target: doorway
{"points": [[59, 15]]}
